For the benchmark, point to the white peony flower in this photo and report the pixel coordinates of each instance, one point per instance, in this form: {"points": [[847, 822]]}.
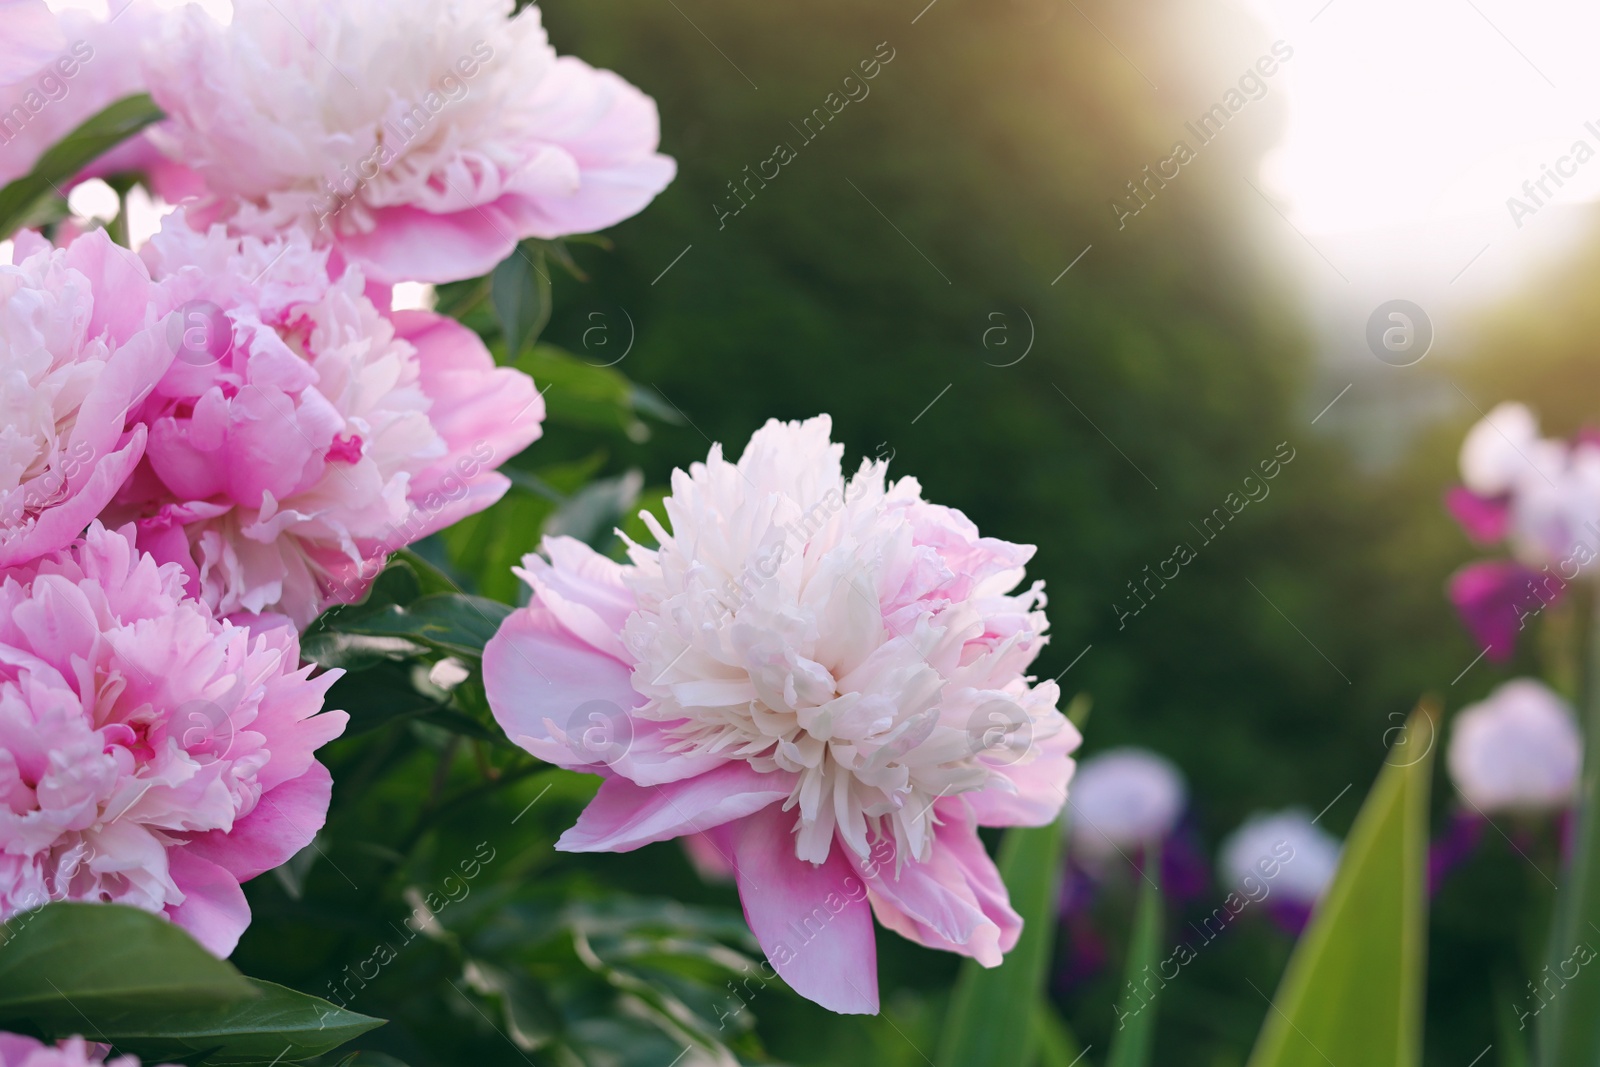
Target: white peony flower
{"points": [[1303, 856], [1123, 799], [1517, 750]]}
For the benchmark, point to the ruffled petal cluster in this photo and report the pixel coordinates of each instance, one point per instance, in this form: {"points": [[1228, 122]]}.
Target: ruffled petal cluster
{"points": [[825, 676], [300, 435], [422, 140], [150, 754], [77, 357], [1517, 750]]}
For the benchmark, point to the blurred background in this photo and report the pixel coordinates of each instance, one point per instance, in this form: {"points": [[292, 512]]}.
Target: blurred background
{"points": [[990, 261], [946, 269]]}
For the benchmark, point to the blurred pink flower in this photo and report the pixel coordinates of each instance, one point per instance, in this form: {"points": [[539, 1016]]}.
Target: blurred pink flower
{"points": [[825, 677], [18, 1050], [1493, 597], [1539, 495], [75, 359], [150, 754], [300, 435], [57, 71], [424, 141], [1485, 519], [1518, 749]]}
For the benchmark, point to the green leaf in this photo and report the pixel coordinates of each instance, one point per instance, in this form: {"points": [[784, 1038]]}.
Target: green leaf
{"points": [[597, 509], [1056, 1044], [593, 393], [1136, 1016], [519, 288], [279, 1024], [381, 695], [451, 622], [1352, 993], [991, 1021], [94, 138], [67, 966], [1568, 1030]]}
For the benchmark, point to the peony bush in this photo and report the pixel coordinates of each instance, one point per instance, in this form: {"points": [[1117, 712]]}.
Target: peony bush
{"points": [[321, 574]]}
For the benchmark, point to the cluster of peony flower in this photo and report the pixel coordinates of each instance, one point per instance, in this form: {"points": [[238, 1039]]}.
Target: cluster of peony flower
{"points": [[419, 141], [1541, 496], [210, 440], [824, 677]]}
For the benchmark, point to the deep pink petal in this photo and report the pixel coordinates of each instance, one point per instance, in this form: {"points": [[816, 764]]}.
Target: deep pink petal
{"points": [[283, 822], [486, 414], [213, 909], [954, 900], [624, 816], [1485, 519], [812, 920], [1494, 597]]}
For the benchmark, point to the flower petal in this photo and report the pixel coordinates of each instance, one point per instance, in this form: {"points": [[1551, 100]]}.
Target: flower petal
{"points": [[812, 919], [624, 816]]}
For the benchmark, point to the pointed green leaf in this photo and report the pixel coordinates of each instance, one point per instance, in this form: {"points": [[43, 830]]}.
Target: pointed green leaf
{"points": [[991, 1021], [1057, 1046], [520, 291], [451, 622], [1352, 993], [1568, 1030], [66, 966], [278, 1025], [1136, 1015], [94, 138]]}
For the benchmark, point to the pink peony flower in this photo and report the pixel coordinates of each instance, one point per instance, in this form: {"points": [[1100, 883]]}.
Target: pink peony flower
{"points": [[1516, 750], [18, 1050], [423, 141], [825, 676], [301, 435], [150, 754], [75, 359]]}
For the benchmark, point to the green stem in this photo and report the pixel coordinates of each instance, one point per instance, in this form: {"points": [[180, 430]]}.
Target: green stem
{"points": [[1569, 1027]]}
